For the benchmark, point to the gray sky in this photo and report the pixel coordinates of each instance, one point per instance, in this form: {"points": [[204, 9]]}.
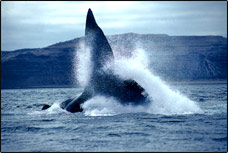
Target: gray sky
{"points": [[37, 24]]}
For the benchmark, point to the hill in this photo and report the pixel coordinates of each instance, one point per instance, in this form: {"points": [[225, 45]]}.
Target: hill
{"points": [[173, 58]]}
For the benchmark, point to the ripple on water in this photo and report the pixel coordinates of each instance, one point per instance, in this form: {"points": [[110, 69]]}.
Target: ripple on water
{"points": [[20, 129], [113, 135], [220, 139]]}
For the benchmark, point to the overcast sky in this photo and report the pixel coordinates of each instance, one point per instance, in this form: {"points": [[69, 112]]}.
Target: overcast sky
{"points": [[37, 24]]}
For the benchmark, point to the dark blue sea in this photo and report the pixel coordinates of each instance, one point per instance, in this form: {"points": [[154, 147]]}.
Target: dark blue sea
{"points": [[101, 127]]}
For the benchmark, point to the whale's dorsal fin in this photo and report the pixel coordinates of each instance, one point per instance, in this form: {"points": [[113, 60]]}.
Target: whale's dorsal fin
{"points": [[95, 39], [91, 23], [126, 91]]}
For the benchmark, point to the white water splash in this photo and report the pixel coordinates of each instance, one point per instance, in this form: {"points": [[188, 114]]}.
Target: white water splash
{"points": [[163, 99], [54, 109], [107, 106]]}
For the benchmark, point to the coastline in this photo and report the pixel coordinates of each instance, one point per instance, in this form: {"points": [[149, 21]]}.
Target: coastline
{"points": [[197, 82]]}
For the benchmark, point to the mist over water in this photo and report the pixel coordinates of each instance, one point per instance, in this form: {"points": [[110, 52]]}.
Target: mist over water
{"points": [[163, 100], [82, 64]]}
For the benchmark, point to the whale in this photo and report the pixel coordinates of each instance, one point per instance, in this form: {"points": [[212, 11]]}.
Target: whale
{"points": [[102, 81]]}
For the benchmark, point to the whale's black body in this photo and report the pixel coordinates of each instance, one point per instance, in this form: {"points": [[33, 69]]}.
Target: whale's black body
{"points": [[103, 82]]}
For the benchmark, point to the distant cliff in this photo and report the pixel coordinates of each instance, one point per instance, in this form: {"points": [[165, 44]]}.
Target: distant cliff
{"points": [[174, 58]]}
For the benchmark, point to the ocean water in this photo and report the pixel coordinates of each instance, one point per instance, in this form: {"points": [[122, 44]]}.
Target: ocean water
{"points": [[107, 126]]}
